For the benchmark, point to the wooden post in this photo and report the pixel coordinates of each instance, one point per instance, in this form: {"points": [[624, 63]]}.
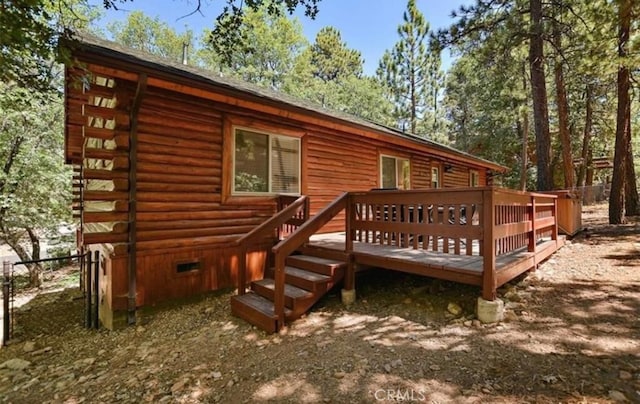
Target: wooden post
{"points": [[532, 234], [133, 203], [278, 298], [242, 270], [488, 246], [554, 235], [349, 218]]}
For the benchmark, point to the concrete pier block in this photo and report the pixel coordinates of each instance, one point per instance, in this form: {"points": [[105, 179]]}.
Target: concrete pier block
{"points": [[490, 311], [348, 296]]}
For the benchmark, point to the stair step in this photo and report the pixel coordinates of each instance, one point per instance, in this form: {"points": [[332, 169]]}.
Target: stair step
{"points": [[303, 279], [293, 296], [324, 266], [257, 310], [317, 251]]}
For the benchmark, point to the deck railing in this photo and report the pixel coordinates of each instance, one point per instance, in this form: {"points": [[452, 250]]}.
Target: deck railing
{"points": [[296, 220], [445, 221], [285, 247], [488, 222], [482, 221], [292, 212]]}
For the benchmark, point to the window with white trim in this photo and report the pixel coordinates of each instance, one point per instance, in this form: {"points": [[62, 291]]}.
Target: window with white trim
{"points": [[395, 172], [474, 178], [265, 163]]}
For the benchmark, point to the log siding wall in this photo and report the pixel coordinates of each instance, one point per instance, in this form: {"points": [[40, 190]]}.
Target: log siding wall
{"points": [[185, 210]]}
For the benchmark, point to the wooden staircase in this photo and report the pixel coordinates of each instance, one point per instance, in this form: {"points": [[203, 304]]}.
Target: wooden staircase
{"points": [[308, 277], [301, 274]]}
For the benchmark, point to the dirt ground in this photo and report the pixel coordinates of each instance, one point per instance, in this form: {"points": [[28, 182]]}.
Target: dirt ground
{"points": [[572, 335]]}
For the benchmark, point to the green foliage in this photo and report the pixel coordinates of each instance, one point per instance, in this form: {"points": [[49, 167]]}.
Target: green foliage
{"points": [[413, 78], [142, 32], [228, 36], [31, 30], [273, 42], [331, 59], [326, 72], [246, 182], [484, 102], [489, 92], [35, 184]]}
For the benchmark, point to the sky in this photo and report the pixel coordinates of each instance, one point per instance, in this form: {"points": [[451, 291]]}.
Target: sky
{"points": [[366, 25]]}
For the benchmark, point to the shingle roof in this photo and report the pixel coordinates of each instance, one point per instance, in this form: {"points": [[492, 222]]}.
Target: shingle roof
{"points": [[85, 41]]}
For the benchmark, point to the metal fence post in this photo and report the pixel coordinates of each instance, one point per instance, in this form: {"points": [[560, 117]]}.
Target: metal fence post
{"points": [[87, 290], [6, 297], [82, 256], [96, 289]]}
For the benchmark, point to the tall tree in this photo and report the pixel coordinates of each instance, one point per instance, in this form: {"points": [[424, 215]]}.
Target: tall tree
{"points": [[410, 71], [349, 91], [562, 102], [139, 31], [273, 44], [31, 31], [332, 59], [623, 118], [504, 22], [539, 95], [35, 187]]}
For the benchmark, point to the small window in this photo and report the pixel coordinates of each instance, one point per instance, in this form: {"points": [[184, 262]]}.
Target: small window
{"points": [[435, 177], [474, 178], [395, 172], [266, 163]]}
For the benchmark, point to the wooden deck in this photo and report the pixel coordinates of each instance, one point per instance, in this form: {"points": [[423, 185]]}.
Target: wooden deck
{"points": [[480, 236], [436, 264]]}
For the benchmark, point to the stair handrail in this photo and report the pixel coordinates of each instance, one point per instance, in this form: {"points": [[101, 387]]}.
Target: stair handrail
{"points": [[295, 240], [268, 226]]}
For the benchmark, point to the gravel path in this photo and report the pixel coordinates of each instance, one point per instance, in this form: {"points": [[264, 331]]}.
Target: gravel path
{"points": [[572, 335]]}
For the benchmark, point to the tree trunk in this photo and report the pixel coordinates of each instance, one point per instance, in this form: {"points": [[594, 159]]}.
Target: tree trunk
{"points": [[525, 134], [623, 130], [589, 193], [632, 204], [539, 95], [586, 138], [563, 112], [36, 269], [13, 240]]}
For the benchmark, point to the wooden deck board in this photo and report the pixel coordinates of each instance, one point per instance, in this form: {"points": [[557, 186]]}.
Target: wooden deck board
{"points": [[459, 268]]}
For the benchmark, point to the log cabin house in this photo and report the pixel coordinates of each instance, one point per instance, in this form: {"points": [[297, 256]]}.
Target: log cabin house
{"points": [[185, 180]]}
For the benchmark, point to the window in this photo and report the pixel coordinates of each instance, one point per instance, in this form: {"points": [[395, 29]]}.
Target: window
{"points": [[265, 163], [395, 172], [435, 177], [474, 178]]}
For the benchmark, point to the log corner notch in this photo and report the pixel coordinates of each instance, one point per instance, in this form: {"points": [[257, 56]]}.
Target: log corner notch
{"points": [[133, 159]]}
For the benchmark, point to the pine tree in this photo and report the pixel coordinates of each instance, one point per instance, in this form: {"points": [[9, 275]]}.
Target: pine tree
{"points": [[332, 59], [623, 120], [411, 72]]}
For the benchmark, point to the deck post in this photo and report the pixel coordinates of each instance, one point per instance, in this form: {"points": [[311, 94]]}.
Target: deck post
{"points": [[489, 246], [242, 270], [349, 293], [554, 235], [278, 296], [349, 219], [532, 234]]}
